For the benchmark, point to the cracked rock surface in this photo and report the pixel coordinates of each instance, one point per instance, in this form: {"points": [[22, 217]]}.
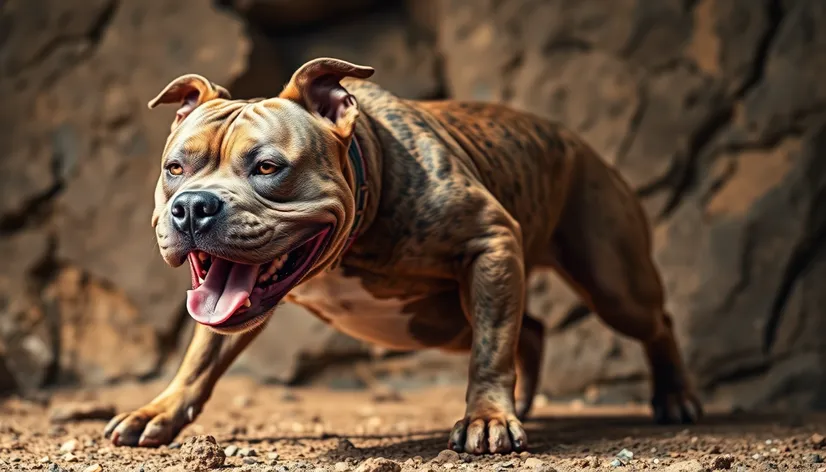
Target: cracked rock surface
{"points": [[714, 110]]}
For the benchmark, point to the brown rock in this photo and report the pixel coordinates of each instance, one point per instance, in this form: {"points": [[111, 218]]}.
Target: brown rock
{"points": [[685, 466], [378, 464], [723, 462], [818, 440], [447, 456], [201, 453]]}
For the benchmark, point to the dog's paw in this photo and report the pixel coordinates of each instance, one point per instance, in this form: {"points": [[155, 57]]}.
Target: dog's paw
{"points": [[153, 425], [676, 407], [499, 434]]}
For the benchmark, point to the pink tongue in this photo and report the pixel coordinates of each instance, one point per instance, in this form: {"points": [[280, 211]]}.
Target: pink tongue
{"points": [[226, 288]]}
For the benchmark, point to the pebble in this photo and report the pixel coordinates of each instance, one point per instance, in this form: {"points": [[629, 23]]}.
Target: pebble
{"points": [[69, 446], [93, 468], [69, 457], [242, 401], [202, 453], [815, 458], [722, 462], [623, 457], [756, 457], [230, 450], [344, 444], [245, 451], [44, 459], [818, 440], [378, 464], [175, 445], [685, 466], [533, 462], [273, 456], [447, 456], [250, 460], [341, 467]]}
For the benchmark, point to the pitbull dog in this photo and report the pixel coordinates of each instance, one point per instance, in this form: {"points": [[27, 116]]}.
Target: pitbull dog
{"points": [[408, 224]]}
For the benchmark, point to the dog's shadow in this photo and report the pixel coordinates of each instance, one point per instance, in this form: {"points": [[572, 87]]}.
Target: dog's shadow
{"points": [[579, 436]]}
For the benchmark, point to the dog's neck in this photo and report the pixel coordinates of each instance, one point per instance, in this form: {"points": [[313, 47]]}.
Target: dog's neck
{"points": [[364, 159]]}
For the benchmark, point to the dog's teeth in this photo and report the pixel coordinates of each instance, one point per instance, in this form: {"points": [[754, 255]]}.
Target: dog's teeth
{"points": [[202, 256], [247, 303], [200, 280], [263, 277], [203, 273]]}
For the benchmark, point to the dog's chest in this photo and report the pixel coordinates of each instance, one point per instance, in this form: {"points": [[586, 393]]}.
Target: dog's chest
{"points": [[395, 321]]}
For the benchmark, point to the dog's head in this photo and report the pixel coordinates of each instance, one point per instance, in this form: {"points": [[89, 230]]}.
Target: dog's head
{"points": [[256, 194]]}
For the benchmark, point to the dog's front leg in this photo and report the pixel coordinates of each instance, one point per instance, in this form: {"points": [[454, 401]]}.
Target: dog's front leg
{"points": [[207, 358], [492, 290]]}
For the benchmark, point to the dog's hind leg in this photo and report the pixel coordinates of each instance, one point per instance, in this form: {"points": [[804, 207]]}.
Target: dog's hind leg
{"points": [[602, 247]]}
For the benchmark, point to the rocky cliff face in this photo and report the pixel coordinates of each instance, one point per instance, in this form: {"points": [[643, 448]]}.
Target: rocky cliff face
{"points": [[713, 109]]}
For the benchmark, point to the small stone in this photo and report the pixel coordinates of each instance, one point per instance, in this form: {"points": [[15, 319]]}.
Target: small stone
{"points": [[344, 444], [447, 456], [756, 457], [245, 451], [723, 462], [200, 453], [69, 457], [685, 466], [448, 465], [273, 456], [55, 468], [44, 459], [815, 458], [537, 465], [624, 457], [616, 463], [378, 464], [93, 468], [175, 445], [230, 450], [655, 461], [69, 446], [818, 440], [250, 460], [341, 467]]}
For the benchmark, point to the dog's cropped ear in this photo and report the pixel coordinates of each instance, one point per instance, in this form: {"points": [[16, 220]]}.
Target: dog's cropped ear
{"points": [[190, 91], [316, 86]]}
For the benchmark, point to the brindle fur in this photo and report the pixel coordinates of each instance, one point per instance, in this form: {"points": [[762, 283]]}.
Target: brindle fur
{"points": [[465, 200]]}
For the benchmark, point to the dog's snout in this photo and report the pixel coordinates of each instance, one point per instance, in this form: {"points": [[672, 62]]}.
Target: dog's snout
{"points": [[195, 212]]}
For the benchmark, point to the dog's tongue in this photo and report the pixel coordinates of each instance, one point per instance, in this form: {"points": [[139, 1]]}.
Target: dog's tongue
{"points": [[225, 289]]}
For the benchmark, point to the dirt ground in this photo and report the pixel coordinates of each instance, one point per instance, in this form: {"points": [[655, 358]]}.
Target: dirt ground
{"points": [[270, 428]]}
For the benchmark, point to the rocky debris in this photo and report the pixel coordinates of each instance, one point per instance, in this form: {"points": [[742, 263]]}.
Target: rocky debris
{"points": [[378, 464], [69, 446], [723, 462], [622, 458], [685, 466], [245, 452], [537, 465], [818, 441], [230, 450], [447, 456], [81, 411], [202, 453], [93, 468]]}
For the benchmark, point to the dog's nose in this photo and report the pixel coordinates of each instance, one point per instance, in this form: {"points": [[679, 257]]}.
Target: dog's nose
{"points": [[195, 212]]}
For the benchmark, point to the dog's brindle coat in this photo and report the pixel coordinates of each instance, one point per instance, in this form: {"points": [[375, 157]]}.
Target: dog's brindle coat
{"points": [[465, 199]]}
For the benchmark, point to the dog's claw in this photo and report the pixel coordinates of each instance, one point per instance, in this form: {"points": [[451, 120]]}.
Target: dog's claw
{"points": [[676, 408], [498, 435]]}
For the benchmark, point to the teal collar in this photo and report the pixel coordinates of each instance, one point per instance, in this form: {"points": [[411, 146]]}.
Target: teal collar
{"points": [[360, 174]]}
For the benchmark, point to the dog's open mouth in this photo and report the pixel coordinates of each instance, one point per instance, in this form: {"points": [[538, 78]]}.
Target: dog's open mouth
{"points": [[226, 293]]}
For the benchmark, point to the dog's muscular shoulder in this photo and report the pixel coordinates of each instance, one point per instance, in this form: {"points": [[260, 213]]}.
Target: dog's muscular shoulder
{"points": [[449, 173]]}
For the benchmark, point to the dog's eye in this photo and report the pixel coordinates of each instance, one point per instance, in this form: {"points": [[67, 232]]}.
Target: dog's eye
{"points": [[174, 169], [266, 168]]}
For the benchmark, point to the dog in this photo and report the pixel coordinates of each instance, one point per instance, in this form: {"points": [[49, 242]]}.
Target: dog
{"points": [[408, 224]]}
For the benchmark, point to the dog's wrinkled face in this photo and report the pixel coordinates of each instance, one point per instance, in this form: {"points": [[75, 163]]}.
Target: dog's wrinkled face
{"points": [[256, 195]]}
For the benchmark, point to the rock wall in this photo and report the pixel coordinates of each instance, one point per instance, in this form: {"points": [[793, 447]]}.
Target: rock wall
{"points": [[715, 110]]}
